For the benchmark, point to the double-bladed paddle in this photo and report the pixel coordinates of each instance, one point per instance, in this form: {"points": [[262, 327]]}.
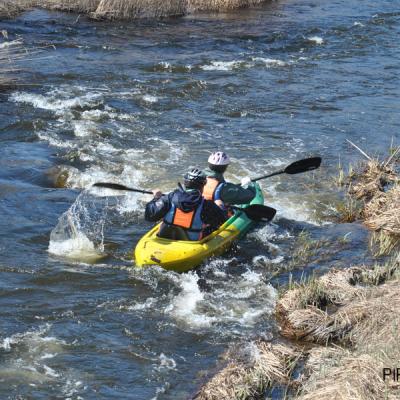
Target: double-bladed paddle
{"points": [[307, 164], [297, 167], [256, 212]]}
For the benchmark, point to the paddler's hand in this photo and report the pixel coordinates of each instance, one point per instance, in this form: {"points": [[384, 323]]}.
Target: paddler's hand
{"points": [[157, 193], [245, 181], [220, 204]]}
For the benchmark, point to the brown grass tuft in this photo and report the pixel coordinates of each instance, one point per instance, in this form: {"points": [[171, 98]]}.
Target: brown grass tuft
{"points": [[219, 5], [332, 307], [353, 377], [130, 9], [374, 196], [84, 6], [248, 378], [357, 307]]}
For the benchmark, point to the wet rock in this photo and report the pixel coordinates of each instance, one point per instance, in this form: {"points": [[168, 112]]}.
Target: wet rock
{"points": [[60, 174]]}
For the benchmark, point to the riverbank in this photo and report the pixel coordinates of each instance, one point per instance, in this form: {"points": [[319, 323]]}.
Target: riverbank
{"points": [[343, 334], [126, 9], [339, 332]]}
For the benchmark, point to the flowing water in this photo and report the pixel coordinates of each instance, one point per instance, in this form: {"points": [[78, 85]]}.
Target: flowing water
{"points": [[138, 103]]}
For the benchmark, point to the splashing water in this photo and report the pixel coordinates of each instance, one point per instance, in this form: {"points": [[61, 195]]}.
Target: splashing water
{"points": [[79, 233]]}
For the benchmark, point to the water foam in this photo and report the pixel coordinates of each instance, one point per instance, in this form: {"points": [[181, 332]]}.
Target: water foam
{"points": [[27, 351], [150, 99], [183, 307], [221, 65], [316, 39], [166, 362], [79, 234], [11, 43], [270, 62], [58, 100]]}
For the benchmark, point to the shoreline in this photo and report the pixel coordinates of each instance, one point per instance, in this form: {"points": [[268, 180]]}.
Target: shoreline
{"points": [[338, 340], [126, 9], [338, 334]]}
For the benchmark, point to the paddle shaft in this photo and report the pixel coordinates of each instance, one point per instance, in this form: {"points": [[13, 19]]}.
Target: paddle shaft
{"points": [[117, 186], [268, 176]]}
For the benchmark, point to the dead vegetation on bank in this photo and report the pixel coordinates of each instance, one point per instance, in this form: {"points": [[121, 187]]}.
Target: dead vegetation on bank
{"points": [[373, 196], [250, 371], [357, 310], [334, 307], [125, 9], [344, 327]]}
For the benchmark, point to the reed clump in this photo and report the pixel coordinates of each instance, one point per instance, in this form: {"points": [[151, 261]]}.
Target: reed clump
{"points": [[373, 196], [83, 6], [131, 9], [328, 309], [219, 5], [352, 319], [8, 9], [250, 370]]}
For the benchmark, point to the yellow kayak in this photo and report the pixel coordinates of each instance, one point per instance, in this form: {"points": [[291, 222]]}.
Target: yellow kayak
{"points": [[182, 255]]}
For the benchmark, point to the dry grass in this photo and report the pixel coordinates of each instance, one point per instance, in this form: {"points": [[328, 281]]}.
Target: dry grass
{"points": [[353, 377], [126, 9], [130, 9], [357, 307], [84, 6], [248, 377], [374, 196], [336, 373], [348, 210], [219, 5], [329, 309]]}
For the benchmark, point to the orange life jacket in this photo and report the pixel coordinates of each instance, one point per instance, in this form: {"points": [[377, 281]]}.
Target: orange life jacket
{"points": [[183, 219], [190, 221], [211, 189]]}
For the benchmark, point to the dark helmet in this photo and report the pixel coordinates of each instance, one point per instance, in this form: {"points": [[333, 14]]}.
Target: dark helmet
{"points": [[195, 179]]}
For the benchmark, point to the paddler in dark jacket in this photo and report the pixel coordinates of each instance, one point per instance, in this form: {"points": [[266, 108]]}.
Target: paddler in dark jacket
{"points": [[186, 214], [222, 192]]}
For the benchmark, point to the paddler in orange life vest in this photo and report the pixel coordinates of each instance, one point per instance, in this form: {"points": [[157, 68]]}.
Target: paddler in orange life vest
{"points": [[186, 214], [220, 191]]}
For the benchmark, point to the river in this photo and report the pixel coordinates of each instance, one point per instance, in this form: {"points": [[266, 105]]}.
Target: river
{"points": [[138, 103]]}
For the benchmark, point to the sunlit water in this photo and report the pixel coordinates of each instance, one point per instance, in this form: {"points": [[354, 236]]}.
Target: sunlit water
{"points": [[138, 103]]}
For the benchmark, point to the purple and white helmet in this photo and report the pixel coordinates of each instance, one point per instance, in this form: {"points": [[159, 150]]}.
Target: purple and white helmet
{"points": [[219, 158]]}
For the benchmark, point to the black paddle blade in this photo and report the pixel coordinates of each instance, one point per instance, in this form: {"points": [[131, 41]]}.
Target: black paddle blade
{"points": [[258, 212], [115, 186], [308, 164]]}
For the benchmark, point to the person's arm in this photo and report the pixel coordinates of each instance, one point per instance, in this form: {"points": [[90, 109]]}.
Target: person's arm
{"points": [[158, 207], [212, 214], [236, 194]]}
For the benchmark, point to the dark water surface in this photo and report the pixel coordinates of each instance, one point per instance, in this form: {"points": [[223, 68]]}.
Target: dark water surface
{"points": [[138, 103]]}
